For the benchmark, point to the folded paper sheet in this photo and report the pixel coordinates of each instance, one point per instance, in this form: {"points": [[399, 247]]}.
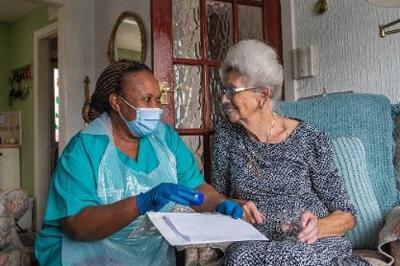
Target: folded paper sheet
{"points": [[186, 229]]}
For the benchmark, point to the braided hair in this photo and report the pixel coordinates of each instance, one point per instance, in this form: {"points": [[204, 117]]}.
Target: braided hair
{"points": [[111, 81]]}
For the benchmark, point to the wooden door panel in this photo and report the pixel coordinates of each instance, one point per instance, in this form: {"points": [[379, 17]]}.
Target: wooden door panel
{"points": [[209, 32], [161, 39]]}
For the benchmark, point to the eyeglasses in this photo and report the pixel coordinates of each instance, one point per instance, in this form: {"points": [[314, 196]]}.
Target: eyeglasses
{"points": [[231, 91]]}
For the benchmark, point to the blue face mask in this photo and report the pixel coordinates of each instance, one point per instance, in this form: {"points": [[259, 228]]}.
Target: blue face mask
{"points": [[146, 121]]}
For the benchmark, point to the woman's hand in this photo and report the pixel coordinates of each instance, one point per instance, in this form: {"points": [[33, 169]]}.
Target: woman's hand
{"points": [[157, 197], [310, 232], [98, 222], [252, 214]]}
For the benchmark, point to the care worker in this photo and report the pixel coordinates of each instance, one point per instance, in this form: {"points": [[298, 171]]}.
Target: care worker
{"points": [[122, 165]]}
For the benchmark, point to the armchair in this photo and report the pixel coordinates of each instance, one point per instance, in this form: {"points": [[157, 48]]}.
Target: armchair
{"points": [[361, 127], [13, 204]]}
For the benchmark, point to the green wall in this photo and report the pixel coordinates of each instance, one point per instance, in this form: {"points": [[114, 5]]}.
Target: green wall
{"points": [[20, 53], [4, 62]]}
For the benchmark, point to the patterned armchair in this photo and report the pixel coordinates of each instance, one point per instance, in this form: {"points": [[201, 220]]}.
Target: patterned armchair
{"points": [[13, 204]]}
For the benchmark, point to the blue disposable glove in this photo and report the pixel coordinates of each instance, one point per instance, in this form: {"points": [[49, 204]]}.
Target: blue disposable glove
{"points": [[157, 197], [231, 208]]}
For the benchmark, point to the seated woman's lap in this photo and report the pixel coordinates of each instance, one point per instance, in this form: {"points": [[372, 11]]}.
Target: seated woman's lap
{"points": [[288, 252]]}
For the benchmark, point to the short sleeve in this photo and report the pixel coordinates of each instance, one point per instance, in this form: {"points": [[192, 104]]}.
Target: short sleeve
{"points": [[188, 172], [73, 185], [326, 179], [220, 178]]}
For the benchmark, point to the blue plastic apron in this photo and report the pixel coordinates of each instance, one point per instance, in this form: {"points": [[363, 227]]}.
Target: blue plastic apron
{"points": [[139, 243]]}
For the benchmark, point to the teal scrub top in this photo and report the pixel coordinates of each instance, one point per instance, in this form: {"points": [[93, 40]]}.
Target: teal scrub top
{"points": [[74, 182]]}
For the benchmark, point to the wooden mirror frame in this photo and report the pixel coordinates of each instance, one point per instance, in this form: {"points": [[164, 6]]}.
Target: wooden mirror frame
{"points": [[111, 46]]}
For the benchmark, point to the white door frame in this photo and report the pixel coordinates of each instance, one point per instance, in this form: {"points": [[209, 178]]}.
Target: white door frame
{"points": [[288, 20], [41, 112]]}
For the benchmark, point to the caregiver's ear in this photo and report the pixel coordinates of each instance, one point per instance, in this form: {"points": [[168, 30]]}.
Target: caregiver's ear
{"points": [[114, 102]]}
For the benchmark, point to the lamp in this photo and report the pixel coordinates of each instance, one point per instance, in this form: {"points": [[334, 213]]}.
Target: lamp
{"points": [[387, 3]]}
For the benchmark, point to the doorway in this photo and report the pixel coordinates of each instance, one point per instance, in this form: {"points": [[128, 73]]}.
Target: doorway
{"points": [[55, 103], [45, 61]]}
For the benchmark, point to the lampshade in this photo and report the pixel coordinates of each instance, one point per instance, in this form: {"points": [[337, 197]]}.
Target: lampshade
{"points": [[385, 3]]}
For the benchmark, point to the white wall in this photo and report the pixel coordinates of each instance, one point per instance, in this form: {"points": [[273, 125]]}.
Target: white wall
{"points": [[84, 29], [76, 41], [107, 13], [351, 55]]}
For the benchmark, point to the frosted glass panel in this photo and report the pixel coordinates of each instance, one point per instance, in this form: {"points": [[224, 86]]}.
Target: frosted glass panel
{"points": [[214, 81], [195, 144], [250, 22], [188, 96], [186, 28], [220, 28]]}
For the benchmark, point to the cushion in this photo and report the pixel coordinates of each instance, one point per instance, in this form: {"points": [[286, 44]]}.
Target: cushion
{"points": [[349, 156], [13, 204], [396, 134]]}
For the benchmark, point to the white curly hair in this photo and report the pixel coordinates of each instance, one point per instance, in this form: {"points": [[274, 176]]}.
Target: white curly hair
{"points": [[258, 62]]}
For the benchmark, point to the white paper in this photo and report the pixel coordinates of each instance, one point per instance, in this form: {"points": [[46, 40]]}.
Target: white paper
{"points": [[181, 229]]}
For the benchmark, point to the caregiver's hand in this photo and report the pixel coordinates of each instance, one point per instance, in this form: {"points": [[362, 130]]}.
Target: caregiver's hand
{"points": [[157, 197], [231, 208]]}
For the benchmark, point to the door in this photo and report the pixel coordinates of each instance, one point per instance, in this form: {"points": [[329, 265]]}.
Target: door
{"points": [[45, 54], [190, 39]]}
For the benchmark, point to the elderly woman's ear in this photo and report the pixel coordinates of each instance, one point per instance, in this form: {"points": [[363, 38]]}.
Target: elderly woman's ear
{"points": [[264, 95]]}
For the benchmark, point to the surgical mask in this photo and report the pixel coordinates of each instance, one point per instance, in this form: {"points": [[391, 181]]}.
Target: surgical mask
{"points": [[146, 121]]}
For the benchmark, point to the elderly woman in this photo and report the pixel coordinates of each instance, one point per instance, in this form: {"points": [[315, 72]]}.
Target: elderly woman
{"points": [[280, 169], [122, 165]]}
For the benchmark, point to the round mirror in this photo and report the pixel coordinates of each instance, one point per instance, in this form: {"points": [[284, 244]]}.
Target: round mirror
{"points": [[127, 40]]}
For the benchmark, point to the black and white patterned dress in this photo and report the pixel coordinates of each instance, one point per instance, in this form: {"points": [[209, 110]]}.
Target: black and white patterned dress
{"points": [[294, 175]]}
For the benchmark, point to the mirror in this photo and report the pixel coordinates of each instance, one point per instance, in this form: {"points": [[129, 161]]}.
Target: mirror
{"points": [[128, 40]]}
